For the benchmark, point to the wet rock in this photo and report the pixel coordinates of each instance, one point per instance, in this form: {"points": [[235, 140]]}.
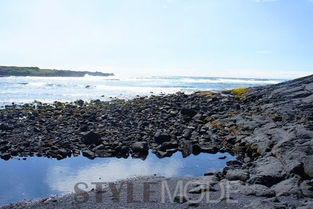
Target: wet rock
{"points": [[161, 137], [139, 146], [234, 163], [168, 145], [186, 147], [89, 154], [139, 149], [5, 156], [196, 149], [91, 137], [222, 158], [162, 154], [63, 152]]}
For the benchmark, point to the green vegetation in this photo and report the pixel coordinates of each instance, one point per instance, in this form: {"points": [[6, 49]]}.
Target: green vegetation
{"points": [[236, 91], [35, 71], [239, 91]]}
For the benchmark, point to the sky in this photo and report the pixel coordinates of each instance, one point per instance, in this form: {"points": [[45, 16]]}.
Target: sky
{"points": [[232, 38]]}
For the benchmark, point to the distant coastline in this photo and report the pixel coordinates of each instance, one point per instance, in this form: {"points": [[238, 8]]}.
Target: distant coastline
{"points": [[35, 71]]}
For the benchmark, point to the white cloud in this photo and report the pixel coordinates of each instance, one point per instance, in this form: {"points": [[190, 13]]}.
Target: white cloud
{"points": [[63, 178]]}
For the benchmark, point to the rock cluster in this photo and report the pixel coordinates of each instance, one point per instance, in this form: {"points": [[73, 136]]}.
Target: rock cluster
{"points": [[269, 129]]}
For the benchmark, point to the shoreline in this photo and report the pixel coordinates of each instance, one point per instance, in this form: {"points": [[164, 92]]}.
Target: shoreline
{"points": [[269, 129]]}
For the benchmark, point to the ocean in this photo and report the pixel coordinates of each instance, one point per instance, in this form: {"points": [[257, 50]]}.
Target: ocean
{"points": [[21, 90]]}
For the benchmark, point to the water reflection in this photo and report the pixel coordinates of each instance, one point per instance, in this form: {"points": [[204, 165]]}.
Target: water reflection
{"points": [[40, 177]]}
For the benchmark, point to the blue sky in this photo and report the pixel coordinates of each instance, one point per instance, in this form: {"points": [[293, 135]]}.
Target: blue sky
{"points": [[241, 38]]}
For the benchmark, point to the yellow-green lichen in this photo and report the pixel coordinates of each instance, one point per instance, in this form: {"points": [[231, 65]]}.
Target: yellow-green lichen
{"points": [[239, 91]]}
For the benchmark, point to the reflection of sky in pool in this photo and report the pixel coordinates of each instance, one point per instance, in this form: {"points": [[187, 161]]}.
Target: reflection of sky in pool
{"points": [[39, 177]]}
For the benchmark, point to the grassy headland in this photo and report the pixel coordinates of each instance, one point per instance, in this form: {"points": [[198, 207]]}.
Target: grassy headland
{"points": [[35, 71]]}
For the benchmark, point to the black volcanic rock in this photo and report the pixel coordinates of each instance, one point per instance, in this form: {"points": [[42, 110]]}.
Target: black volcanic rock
{"points": [[91, 137], [269, 129]]}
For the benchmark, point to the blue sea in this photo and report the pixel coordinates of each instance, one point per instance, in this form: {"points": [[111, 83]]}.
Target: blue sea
{"points": [[49, 89]]}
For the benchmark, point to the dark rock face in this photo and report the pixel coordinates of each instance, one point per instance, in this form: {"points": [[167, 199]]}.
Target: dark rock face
{"points": [[5, 156], [91, 138], [188, 112], [269, 129], [89, 154], [161, 137]]}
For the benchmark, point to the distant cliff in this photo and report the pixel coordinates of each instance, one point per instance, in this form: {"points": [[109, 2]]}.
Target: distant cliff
{"points": [[35, 71]]}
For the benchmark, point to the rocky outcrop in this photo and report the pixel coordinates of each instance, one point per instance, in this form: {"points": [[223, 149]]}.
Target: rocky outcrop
{"points": [[269, 129]]}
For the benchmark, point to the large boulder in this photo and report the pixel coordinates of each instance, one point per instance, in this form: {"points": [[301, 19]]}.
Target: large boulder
{"points": [[287, 187], [268, 172]]}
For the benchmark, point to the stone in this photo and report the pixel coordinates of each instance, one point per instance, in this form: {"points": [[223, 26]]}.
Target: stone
{"points": [[188, 112], [237, 174], [5, 156], [307, 188], [63, 152], [6, 127], [161, 137], [287, 187], [201, 188], [294, 166], [268, 172], [308, 166], [256, 190], [139, 147], [222, 157], [84, 128], [168, 145], [307, 205], [89, 154], [91, 137], [265, 204], [162, 154]]}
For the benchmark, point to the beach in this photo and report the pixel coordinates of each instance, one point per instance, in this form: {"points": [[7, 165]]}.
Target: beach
{"points": [[268, 129]]}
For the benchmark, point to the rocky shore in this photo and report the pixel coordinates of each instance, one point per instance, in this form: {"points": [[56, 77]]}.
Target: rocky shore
{"points": [[269, 129]]}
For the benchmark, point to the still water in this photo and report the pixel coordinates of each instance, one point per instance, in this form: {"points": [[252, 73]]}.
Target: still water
{"points": [[40, 177]]}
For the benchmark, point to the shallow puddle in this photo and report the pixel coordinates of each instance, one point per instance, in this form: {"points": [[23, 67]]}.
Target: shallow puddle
{"points": [[40, 177]]}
